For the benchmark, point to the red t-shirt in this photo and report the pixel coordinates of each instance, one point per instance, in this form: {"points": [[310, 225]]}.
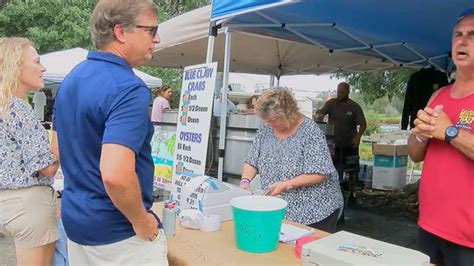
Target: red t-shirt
{"points": [[446, 194]]}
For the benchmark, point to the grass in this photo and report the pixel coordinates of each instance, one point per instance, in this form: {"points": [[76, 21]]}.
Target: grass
{"points": [[377, 118]]}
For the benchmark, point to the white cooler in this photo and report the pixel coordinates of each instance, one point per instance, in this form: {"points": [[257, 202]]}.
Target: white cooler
{"points": [[344, 248]]}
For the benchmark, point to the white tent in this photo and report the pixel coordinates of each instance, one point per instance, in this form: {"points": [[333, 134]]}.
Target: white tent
{"points": [[184, 41], [59, 64]]}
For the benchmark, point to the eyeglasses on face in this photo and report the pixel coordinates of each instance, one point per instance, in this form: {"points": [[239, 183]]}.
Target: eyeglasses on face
{"points": [[152, 30]]}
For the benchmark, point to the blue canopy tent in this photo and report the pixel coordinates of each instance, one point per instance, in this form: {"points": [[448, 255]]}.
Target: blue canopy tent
{"points": [[406, 33]]}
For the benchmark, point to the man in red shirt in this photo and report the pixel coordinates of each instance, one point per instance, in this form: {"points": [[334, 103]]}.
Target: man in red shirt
{"points": [[443, 137]]}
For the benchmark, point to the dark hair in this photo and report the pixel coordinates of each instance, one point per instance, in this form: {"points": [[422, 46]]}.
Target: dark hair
{"points": [[163, 88], [108, 13]]}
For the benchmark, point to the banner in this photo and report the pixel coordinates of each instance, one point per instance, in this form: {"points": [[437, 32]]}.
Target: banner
{"points": [[162, 152]]}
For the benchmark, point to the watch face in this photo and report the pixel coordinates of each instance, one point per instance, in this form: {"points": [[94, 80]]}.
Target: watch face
{"points": [[451, 132]]}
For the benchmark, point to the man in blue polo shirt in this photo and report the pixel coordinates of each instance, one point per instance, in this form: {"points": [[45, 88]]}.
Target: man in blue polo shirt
{"points": [[104, 131]]}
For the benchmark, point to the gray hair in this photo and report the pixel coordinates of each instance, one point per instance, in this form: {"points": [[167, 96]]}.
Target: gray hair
{"points": [[108, 13]]}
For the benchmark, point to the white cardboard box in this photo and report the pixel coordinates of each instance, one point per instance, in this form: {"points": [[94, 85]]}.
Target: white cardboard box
{"points": [[348, 249], [390, 166]]}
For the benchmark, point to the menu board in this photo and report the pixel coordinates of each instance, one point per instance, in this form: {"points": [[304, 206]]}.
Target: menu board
{"points": [[194, 119]]}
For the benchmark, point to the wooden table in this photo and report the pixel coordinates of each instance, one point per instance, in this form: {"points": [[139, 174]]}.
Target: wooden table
{"points": [[194, 247]]}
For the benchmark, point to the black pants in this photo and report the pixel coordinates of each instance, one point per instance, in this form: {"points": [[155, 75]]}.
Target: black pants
{"points": [[346, 158], [443, 252], [328, 224]]}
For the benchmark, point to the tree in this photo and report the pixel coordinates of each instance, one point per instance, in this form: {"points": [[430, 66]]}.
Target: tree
{"points": [[375, 85], [62, 24], [175, 7], [51, 24], [169, 76]]}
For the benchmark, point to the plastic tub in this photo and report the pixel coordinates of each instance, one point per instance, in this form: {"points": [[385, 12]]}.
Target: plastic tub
{"points": [[257, 222]]}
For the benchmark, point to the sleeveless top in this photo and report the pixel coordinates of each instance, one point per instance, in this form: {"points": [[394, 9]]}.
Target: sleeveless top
{"points": [[446, 193]]}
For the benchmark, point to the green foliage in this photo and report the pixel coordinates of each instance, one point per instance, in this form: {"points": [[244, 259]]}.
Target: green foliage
{"points": [[175, 7], [51, 24], [55, 25], [377, 84], [172, 77], [371, 128], [365, 151]]}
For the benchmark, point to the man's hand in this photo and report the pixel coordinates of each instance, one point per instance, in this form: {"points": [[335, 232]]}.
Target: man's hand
{"points": [[431, 123], [147, 228], [424, 122], [442, 122], [356, 140]]}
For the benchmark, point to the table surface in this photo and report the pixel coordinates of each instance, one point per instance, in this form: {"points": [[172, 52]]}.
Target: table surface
{"points": [[194, 247]]}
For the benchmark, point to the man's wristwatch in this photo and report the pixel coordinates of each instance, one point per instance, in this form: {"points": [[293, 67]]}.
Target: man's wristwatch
{"points": [[450, 133]]}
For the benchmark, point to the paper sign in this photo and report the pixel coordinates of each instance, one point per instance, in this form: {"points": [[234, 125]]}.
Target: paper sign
{"points": [[162, 151]]}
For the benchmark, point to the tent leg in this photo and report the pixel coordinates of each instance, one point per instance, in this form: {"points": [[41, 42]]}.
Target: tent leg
{"points": [[222, 129], [272, 81]]}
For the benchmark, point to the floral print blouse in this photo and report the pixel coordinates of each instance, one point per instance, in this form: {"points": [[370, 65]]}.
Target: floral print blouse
{"points": [[24, 148], [305, 152]]}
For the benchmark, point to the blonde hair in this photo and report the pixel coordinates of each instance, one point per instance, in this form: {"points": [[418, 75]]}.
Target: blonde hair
{"points": [[278, 102], [11, 55], [108, 13]]}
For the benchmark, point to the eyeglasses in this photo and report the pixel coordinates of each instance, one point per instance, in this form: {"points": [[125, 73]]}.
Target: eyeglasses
{"points": [[152, 30]]}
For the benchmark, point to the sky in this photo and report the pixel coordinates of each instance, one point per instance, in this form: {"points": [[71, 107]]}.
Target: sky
{"points": [[302, 85]]}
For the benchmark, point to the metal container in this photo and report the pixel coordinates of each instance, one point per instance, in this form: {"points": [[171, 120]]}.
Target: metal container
{"points": [[240, 133], [237, 145], [327, 129], [170, 116], [244, 121]]}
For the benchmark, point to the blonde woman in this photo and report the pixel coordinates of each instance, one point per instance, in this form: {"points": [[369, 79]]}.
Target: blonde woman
{"points": [[161, 103], [291, 155], [27, 164]]}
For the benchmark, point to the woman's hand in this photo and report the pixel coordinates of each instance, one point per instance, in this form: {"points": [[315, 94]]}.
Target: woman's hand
{"points": [[278, 188]]}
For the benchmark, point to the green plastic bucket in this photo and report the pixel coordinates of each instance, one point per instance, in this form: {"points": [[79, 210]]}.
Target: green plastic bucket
{"points": [[257, 222]]}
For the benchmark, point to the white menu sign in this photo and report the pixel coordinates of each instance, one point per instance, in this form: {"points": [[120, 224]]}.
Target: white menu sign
{"points": [[194, 121]]}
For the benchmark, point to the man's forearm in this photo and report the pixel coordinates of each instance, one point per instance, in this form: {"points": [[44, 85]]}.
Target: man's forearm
{"points": [[126, 197], [464, 142], [318, 116], [117, 167], [361, 130]]}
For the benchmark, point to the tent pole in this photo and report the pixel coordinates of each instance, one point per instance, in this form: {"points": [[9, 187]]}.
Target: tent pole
{"points": [[223, 119], [272, 81], [210, 41]]}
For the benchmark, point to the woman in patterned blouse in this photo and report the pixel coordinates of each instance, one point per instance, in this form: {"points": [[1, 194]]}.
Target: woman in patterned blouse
{"points": [[291, 155], [27, 164]]}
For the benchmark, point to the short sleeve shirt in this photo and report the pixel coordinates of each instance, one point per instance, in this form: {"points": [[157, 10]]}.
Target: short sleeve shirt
{"points": [[24, 148], [101, 101], [159, 104], [305, 152], [345, 117]]}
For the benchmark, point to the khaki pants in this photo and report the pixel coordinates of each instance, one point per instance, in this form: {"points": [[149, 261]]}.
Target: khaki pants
{"points": [[131, 251]]}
